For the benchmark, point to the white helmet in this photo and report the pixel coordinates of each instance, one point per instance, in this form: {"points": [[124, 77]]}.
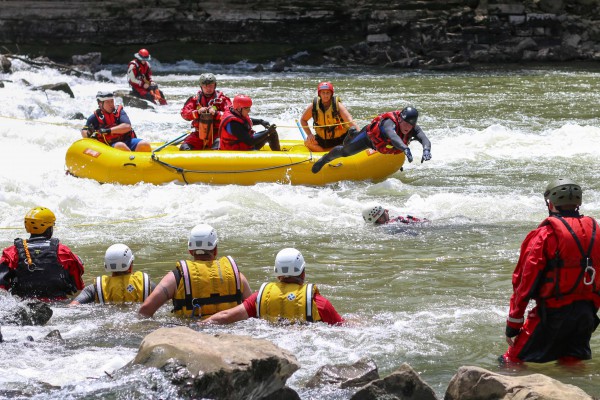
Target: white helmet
{"points": [[203, 237], [289, 262], [118, 258], [372, 214]]}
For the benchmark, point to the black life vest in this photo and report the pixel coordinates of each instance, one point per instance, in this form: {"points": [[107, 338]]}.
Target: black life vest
{"points": [[38, 273]]}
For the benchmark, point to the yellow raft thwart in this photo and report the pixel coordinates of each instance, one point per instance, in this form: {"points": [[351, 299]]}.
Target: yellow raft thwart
{"points": [[89, 158]]}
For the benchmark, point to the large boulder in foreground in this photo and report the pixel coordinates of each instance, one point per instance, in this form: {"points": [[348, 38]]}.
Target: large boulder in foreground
{"points": [[217, 367], [473, 383]]}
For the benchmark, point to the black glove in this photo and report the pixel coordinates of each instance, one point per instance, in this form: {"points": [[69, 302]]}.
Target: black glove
{"points": [[272, 129], [511, 332], [104, 131], [409, 156], [426, 155], [264, 123]]}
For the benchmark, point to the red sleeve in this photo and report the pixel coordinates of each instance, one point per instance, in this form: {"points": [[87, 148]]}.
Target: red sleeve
{"points": [[189, 109], [224, 103], [72, 263], [531, 264], [250, 305], [326, 311], [10, 257]]}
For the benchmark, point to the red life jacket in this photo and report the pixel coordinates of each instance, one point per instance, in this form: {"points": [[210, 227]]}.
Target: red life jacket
{"points": [[574, 272], [106, 120], [219, 100], [216, 99], [230, 141], [381, 143], [142, 72]]}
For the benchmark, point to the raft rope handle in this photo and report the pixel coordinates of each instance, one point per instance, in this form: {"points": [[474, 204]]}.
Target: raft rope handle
{"points": [[182, 171]]}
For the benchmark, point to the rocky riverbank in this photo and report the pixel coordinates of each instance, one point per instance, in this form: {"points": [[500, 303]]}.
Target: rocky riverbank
{"points": [[399, 34]]}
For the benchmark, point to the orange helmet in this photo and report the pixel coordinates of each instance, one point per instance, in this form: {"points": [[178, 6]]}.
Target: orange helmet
{"points": [[324, 86], [142, 55], [241, 101]]}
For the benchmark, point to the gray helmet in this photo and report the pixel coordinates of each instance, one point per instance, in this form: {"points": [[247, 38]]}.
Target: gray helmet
{"points": [[410, 115], [207, 79], [103, 96], [563, 192]]}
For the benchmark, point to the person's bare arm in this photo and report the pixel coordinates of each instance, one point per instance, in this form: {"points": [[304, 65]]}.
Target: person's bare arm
{"points": [[164, 292], [237, 313], [246, 291], [345, 114]]}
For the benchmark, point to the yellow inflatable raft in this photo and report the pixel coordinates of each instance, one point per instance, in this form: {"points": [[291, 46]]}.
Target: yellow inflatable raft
{"points": [[89, 158]]}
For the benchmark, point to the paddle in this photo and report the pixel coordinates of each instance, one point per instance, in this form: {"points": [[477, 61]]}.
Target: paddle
{"points": [[174, 141], [301, 130]]}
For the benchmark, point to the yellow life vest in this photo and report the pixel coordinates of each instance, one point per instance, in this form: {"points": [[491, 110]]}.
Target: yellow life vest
{"points": [[206, 287], [123, 288], [325, 119], [291, 301]]}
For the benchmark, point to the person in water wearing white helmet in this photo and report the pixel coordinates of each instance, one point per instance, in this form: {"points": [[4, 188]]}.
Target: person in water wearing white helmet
{"points": [[203, 286], [287, 299], [122, 286], [377, 215]]}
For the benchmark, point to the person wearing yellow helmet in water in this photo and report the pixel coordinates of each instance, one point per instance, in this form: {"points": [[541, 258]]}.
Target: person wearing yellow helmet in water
{"points": [[122, 286], [40, 267], [288, 299], [202, 286]]}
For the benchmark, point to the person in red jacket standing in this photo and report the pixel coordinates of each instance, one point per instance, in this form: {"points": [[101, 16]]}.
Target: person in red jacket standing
{"points": [[40, 267], [205, 110], [559, 268]]}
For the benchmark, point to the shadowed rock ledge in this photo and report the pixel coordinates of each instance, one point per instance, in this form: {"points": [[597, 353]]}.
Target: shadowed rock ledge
{"points": [[398, 34]]}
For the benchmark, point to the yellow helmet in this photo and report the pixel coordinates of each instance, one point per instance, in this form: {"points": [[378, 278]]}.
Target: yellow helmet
{"points": [[38, 219]]}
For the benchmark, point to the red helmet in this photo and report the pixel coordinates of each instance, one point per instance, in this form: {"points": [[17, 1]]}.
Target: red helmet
{"points": [[142, 55], [324, 86], [241, 101]]}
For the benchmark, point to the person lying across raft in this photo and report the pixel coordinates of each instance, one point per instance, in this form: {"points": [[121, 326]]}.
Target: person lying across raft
{"points": [[388, 133]]}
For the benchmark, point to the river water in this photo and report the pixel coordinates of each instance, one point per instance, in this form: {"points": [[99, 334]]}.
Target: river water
{"points": [[435, 296]]}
